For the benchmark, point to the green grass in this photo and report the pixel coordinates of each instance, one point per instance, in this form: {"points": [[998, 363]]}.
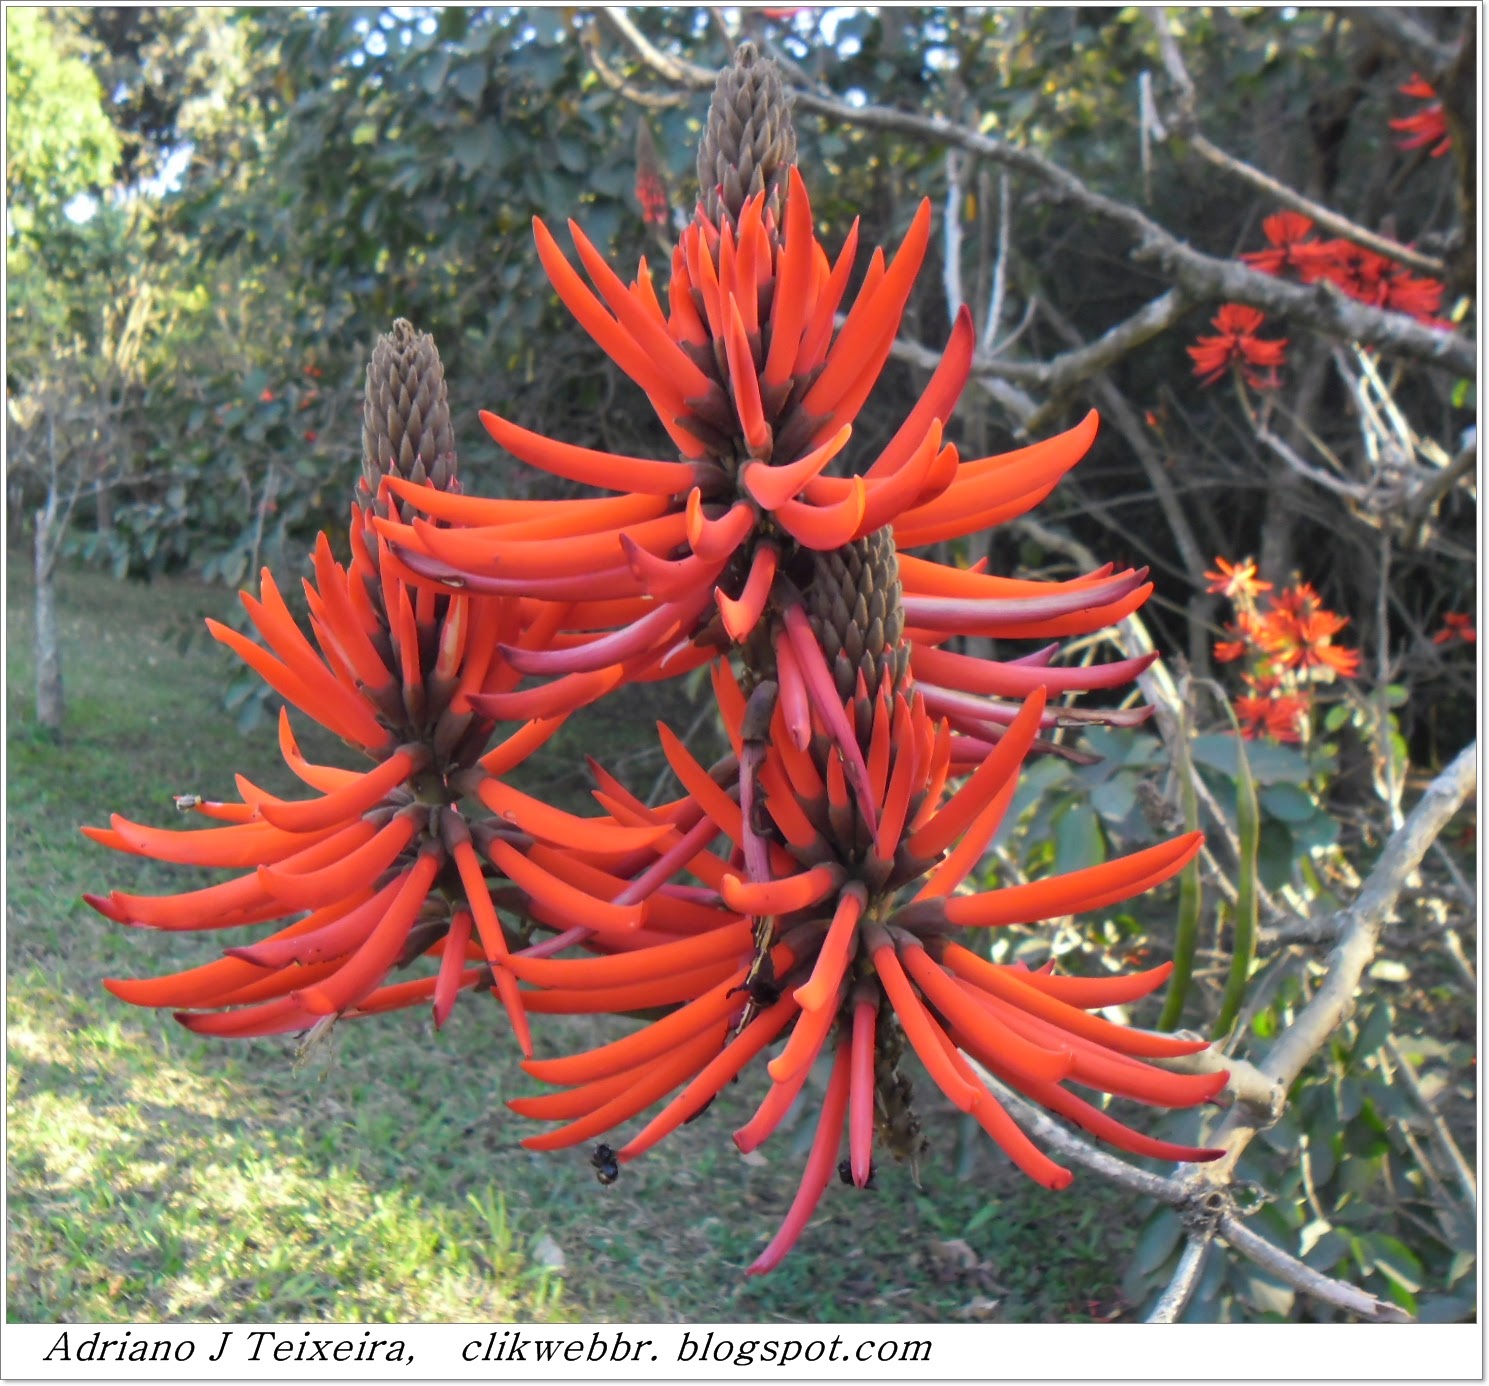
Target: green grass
{"points": [[155, 1175]]}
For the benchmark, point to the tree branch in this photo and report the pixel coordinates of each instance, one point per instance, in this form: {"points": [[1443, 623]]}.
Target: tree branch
{"points": [[1430, 57], [1323, 307], [1173, 1301], [1358, 936], [1301, 1277], [1186, 126]]}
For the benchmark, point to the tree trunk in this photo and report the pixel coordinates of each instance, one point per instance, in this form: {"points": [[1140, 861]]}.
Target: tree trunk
{"points": [[48, 650]]}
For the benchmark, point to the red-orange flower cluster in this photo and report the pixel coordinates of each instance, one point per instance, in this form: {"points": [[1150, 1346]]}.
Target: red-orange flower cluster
{"points": [[1360, 273], [812, 935], [825, 921], [1236, 345], [1288, 639], [1456, 625], [1425, 126]]}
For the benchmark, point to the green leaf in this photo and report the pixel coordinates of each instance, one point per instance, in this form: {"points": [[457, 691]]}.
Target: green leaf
{"points": [[1287, 802], [1321, 830], [1270, 762], [1394, 1260], [1114, 800], [1159, 1240], [469, 80], [1373, 1031], [1327, 1251], [469, 146], [1264, 1294], [572, 154], [434, 73], [1078, 840], [1276, 851], [1446, 1308]]}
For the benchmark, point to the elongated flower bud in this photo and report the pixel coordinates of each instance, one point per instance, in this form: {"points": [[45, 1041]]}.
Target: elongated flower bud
{"points": [[749, 141], [405, 414], [854, 605]]}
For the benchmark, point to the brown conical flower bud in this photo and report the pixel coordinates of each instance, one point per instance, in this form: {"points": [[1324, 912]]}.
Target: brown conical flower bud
{"points": [[749, 141], [854, 604], [406, 428]]}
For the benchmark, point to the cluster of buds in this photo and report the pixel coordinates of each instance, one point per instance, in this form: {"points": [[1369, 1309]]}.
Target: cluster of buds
{"points": [[805, 893], [1286, 640]]}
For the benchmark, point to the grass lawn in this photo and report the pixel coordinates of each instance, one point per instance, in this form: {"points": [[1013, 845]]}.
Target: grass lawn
{"points": [[154, 1175]]}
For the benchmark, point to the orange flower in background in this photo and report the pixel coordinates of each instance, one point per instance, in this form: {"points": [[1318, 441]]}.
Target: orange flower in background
{"points": [[1305, 642], [1426, 126], [1287, 717], [1237, 345], [1236, 580], [1456, 625], [1253, 710], [1287, 639]]}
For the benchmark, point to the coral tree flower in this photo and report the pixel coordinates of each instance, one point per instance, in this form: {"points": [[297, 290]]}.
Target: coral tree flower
{"points": [[1425, 126], [1360, 273], [800, 894], [1236, 580], [1456, 625], [383, 862], [1237, 345], [758, 389], [1290, 244], [820, 942]]}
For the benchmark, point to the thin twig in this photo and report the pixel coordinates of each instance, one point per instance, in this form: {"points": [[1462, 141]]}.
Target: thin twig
{"points": [[1000, 271], [1175, 1298], [1292, 1271], [1437, 1128], [952, 230]]}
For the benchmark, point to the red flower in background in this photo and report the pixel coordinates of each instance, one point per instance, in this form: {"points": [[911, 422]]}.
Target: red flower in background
{"points": [[651, 187], [1238, 345], [1362, 274], [1426, 126], [1290, 234], [1456, 625]]}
